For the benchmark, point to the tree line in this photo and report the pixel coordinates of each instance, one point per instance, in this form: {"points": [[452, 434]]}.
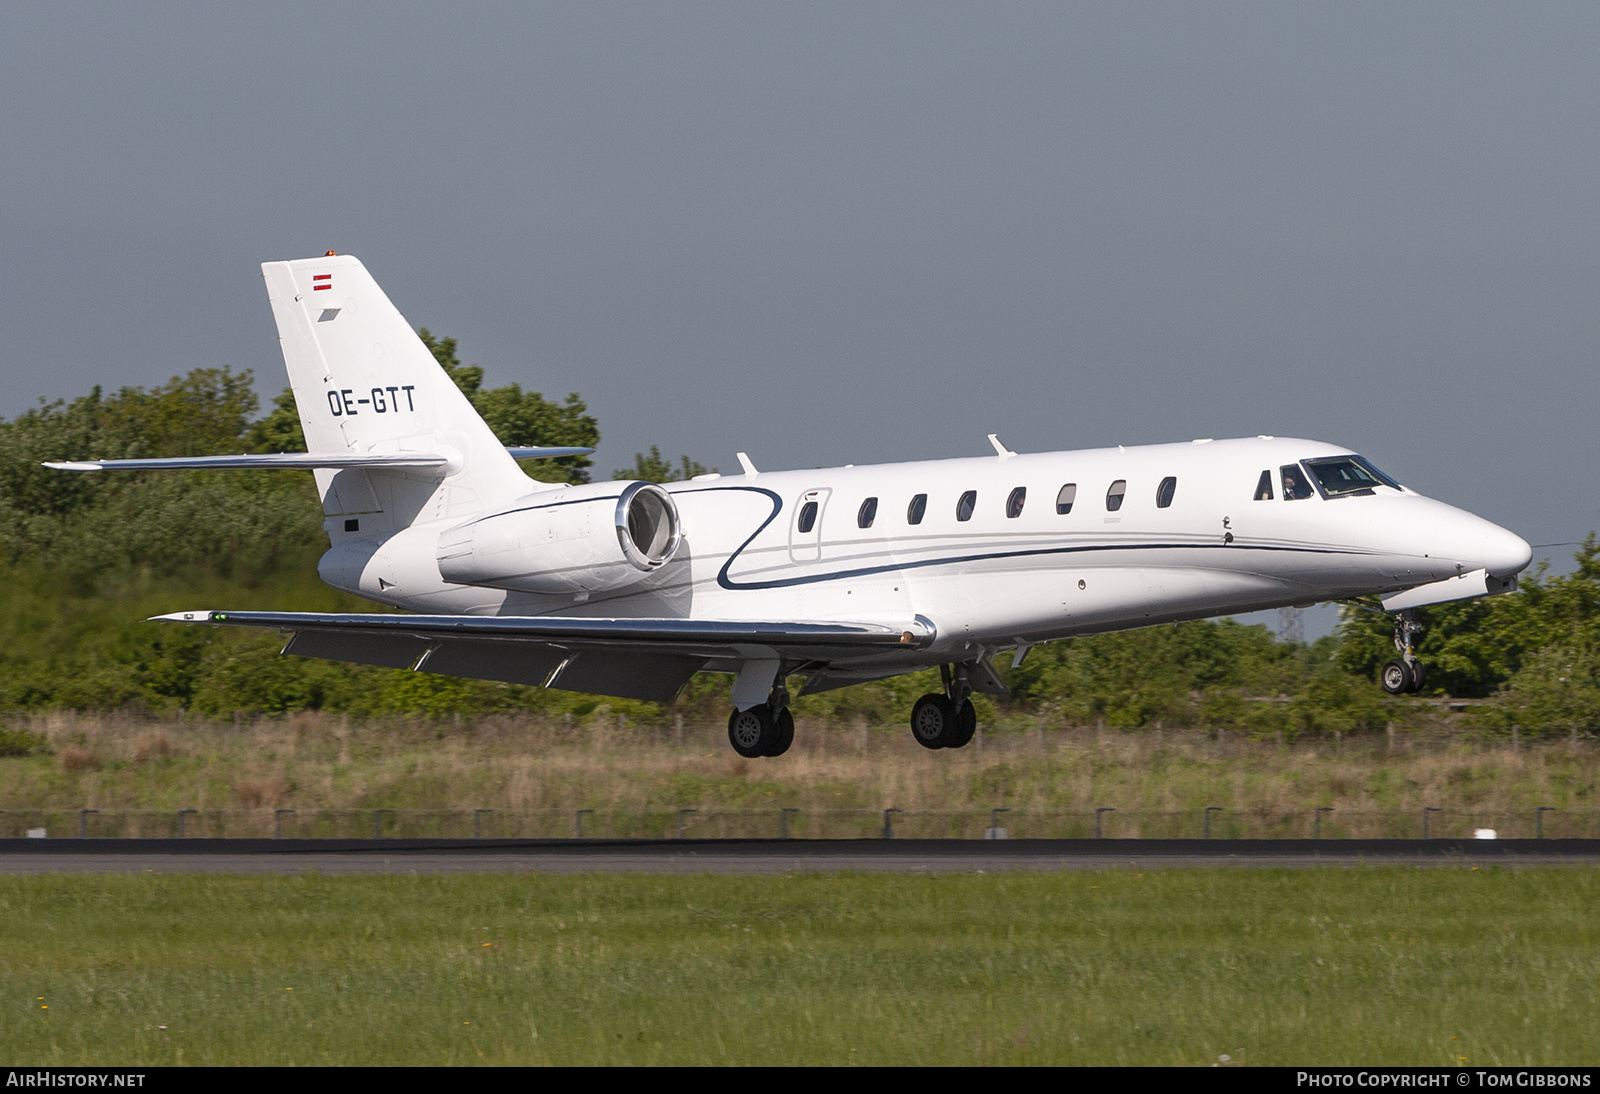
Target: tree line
{"points": [[88, 556]]}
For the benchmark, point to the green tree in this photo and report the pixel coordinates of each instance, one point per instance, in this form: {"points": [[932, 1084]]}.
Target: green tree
{"points": [[281, 430], [653, 468], [522, 418]]}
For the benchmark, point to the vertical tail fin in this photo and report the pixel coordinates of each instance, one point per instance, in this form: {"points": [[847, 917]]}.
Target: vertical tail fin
{"points": [[364, 382]]}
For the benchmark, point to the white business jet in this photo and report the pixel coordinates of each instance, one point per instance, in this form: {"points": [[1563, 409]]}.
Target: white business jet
{"points": [[838, 575]]}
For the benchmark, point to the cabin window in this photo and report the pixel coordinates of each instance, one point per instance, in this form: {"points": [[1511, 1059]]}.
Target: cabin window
{"points": [[867, 513], [1296, 487], [918, 506], [1015, 501], [1264, 486], [1164, 492], [808, 518], [1347, 476], [1115, 494], [1065, 497], [964, 507]]}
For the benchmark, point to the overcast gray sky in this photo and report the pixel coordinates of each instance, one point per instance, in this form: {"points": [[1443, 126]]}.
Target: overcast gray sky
{"points": [[857, 232]]}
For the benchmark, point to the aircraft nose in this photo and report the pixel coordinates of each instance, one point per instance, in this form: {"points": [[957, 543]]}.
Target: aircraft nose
{"points": [[1502, 552]]}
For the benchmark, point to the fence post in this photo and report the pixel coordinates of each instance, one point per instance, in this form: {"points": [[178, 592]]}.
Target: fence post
{"points": [[1210, 809], [377, 822], [995, 831], [677, 729], [1316, 823], [579, 818], [83, 822], [1426, 809], [477, 815], [277, 822], [181, 813], [888, 823], [1097, 812], [681, 814], [1538, 820], [783, 821]]}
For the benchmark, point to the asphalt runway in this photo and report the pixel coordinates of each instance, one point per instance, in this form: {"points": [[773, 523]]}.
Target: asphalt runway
{"points": [[691, 856]]}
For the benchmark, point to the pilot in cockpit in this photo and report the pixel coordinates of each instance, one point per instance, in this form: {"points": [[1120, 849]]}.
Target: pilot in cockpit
{"points": [[1295, 485]]}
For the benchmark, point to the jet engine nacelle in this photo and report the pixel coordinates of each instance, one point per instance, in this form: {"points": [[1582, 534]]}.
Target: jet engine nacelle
{"points": [[572, 539]]}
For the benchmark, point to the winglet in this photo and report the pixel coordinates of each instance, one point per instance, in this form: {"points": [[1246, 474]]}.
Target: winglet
{"points": [[999, 448], [749, 468]]}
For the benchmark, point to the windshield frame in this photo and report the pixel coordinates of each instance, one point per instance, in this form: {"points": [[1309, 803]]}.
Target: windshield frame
{"points": [[1312, 467]]}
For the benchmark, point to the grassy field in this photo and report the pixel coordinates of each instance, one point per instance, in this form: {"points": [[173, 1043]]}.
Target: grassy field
{"points": [[1321, 966], [1376, 785]]}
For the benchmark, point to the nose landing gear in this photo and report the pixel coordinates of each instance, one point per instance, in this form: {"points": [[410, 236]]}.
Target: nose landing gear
{"points": [[1404, 674], [948, 720]]}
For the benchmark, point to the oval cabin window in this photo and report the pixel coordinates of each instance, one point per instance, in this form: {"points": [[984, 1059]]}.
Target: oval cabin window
{"points": [[1065, 497], [867, 513], [1015, 502], [1164, 492], [915, 511], [964, 507], [808, 518], [1115, 494]]}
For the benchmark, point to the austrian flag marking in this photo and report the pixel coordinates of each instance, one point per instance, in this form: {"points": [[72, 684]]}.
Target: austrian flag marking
{"points": [[321, 281]]}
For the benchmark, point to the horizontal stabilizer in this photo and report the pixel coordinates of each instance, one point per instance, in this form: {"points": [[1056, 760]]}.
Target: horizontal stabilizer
{"points": [[1464, 587], [304, 461]]}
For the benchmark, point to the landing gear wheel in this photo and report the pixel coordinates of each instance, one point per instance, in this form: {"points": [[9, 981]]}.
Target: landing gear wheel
{"points": [[783, 734], [966, 725], [1395, 677], [1419, 676], [753, 732], [933, 721]]}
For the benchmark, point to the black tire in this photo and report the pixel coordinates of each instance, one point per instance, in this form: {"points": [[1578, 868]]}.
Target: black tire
{"points": [[1419, 676], [783, 734], [966, 725], [752, 732], [1395, 677], [933, 721]]}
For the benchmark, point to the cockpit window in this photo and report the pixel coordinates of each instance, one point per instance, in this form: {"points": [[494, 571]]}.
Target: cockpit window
{"points": [[1347, 476], [1264, 487], [1296, 487]]}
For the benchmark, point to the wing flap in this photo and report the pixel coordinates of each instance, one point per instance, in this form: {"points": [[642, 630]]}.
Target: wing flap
{"points": [[510, 662], [390, 651], [627, 673]]}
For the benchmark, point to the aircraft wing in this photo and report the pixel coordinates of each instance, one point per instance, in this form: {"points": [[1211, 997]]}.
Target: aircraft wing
{"points": [[634, 658], [306, 461]]}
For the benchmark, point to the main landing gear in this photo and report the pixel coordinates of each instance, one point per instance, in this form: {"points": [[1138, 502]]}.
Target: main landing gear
{"points": [[948, 720], [765, 730], [1405, 673]]}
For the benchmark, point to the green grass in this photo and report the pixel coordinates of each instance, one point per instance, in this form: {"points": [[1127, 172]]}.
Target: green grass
{"points": [[1322, 966]]}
